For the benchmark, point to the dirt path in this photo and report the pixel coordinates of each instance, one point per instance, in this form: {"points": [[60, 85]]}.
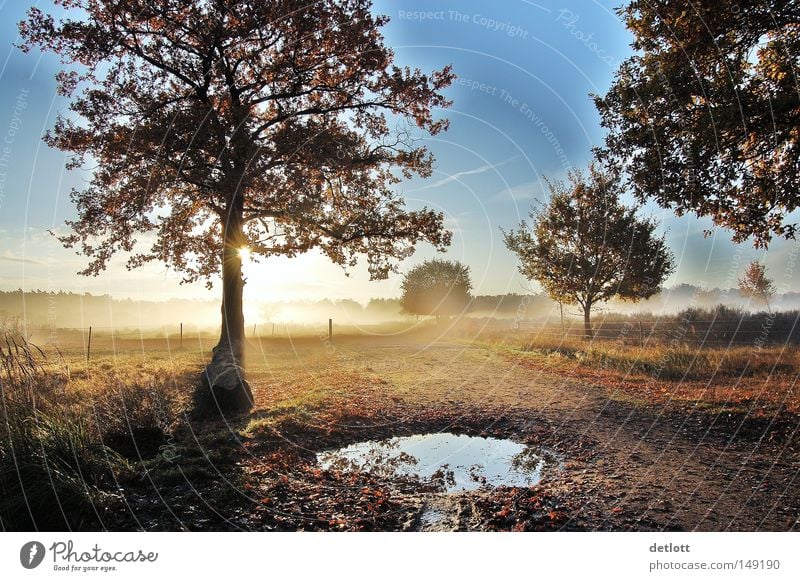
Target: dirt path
{"points": [[646, 468], [626, 465]]}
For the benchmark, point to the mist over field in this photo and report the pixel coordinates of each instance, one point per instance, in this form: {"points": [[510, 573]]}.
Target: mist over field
{"points": [[77, 311], [359, 265]]}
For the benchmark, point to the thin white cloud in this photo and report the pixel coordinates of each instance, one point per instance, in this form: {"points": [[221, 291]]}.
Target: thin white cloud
{"points": [[8, 256], [519, 193], [470, 172]]}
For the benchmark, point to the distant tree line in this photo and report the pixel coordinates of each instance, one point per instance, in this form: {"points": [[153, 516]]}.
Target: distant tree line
{"points": [[79, 310], [718, 325]]}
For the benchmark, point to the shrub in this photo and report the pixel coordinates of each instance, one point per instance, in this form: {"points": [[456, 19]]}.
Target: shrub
{"points": [[52, 473], [135, 418], [51, 468]]}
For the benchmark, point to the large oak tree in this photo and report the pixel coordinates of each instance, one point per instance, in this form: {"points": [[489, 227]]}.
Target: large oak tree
{"points": [[705, 117], [586, 247], [216, 125]]}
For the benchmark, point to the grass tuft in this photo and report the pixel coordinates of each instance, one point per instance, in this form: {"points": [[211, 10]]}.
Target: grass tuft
{"points": [[66, 438]]}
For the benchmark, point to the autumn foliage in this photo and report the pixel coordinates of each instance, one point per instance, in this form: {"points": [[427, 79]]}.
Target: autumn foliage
{"points": [[280, 126], [585, 247]]}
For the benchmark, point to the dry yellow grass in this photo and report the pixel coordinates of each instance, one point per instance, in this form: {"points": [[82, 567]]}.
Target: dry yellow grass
{"points": [[131, 396], [659, 372]]}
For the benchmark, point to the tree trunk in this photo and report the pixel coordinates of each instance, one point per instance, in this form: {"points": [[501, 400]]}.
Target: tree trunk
{"points": [[224, 375], [588, 334]]}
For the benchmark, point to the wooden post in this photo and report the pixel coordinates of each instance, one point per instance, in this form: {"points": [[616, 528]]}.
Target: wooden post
{"points": [[641, 335], [273, 329], [181, 343], [330, 329], [254, 330], [89, 346]]}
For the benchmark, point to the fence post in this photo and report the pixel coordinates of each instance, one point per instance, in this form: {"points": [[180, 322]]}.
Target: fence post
{"points": [[641, 335], [254, 331], [89, 345], [273, 329], [181, 342], [330, 329]]}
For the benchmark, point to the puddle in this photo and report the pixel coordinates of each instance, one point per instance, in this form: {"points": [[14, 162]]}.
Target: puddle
{"points": [[432, 517], [452, 463]]}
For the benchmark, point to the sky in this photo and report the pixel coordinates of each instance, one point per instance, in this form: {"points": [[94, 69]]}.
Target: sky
{"points": [[521, 112]]}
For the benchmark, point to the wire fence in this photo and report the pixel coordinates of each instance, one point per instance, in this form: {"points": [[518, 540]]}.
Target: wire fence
{"points": [[175, 336], [751, 331]]}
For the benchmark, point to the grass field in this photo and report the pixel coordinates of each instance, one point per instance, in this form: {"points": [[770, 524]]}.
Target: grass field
{"points": [[665, 437]]}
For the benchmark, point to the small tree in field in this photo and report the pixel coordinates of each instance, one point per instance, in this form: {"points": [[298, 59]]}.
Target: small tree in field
{"points": [[585, 247], [439, 288], [220, 127], [754, 283]]}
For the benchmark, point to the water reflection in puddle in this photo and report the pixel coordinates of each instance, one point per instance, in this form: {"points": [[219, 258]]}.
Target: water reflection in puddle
{"points": [[452, 462]]}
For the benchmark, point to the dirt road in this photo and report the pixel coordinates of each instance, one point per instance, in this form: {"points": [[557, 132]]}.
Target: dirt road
{"points": [[627, 465]]}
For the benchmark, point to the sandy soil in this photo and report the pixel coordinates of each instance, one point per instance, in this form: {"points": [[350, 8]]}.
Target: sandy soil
{"points": [[627, 465]]}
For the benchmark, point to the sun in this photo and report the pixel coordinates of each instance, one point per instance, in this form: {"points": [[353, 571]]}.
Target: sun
{"points": [[244, 254]]}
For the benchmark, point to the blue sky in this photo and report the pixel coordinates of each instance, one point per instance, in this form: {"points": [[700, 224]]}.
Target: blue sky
{"points": [[521, 112]]}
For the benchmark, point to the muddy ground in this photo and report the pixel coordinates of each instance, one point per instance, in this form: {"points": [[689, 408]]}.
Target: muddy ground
{"points": [[628, 465]]}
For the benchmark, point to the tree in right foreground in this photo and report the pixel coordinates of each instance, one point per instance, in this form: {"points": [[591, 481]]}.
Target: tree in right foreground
{"points": [[755, 283], [704, 115], [438, 288], [585, 247]]}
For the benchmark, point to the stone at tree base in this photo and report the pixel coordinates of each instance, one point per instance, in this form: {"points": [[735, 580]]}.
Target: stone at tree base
{"points": [[223, 389], [224, 400]]}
